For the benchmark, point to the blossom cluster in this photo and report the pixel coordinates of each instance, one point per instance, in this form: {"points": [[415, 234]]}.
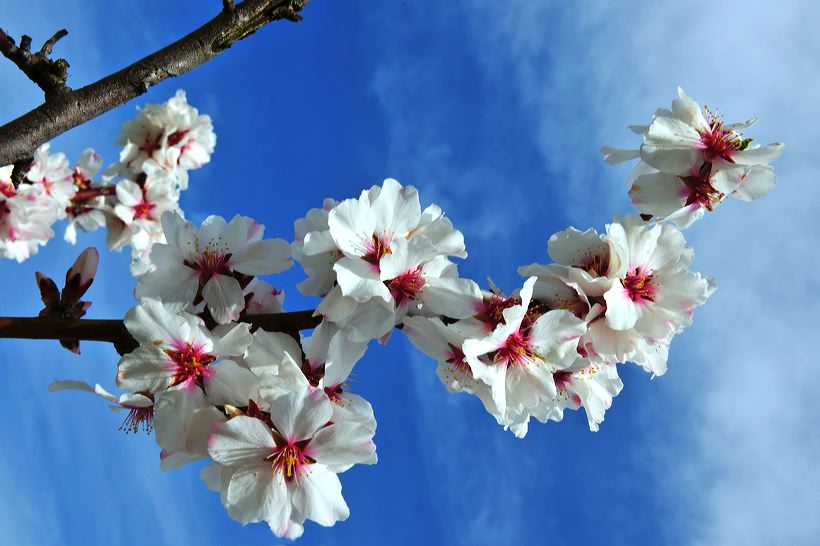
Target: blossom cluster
{"points": [[691, 160], [272, 412], [129, 197]]}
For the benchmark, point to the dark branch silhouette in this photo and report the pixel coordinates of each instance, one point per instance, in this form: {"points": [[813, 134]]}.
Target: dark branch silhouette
{"points": [[114, 331], [48, 74], [65, 108]]}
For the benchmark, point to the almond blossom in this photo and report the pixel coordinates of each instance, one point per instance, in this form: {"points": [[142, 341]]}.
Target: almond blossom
{"points": [[281, 467], [262, 297], [52, 176], [328, 362], [86, 212], [690, 161], [25, 218], [685, 199], [211, 264], [321, 253], [140, 207], [658, 293], [519, 357], [592, 268], [177, 351], [690, 136], [172, 136], [584, 385], [388, 260]]}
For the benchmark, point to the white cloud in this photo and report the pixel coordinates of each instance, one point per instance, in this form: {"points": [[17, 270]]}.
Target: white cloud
{"points": [[744, 376]]}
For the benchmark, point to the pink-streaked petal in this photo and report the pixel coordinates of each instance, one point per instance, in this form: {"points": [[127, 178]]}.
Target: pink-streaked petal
{"points": [[262, 257], [241, 441], [319, 496], [342, 444], [224, 298]]}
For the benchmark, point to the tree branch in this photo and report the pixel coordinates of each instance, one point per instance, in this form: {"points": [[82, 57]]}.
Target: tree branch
{"points": [[70, 108], [49, 75], [114, 331]]}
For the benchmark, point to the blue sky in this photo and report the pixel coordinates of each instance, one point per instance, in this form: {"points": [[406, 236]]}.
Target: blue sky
{"points": [[495, 111]]}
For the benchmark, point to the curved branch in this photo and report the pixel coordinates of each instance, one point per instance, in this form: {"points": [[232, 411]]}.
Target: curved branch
{"points": [[114, 331], [67, 109]]}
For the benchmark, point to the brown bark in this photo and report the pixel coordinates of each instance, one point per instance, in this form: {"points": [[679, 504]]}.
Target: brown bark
{"points": [[65, 108], [114, 331]]}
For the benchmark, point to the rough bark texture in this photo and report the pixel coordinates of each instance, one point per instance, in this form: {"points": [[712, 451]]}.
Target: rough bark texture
{"points": [[48, 74], [67, 108], [114, 331]]}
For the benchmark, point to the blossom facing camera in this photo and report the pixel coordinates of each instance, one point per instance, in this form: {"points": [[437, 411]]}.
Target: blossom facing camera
{"points": [[212, 264]]}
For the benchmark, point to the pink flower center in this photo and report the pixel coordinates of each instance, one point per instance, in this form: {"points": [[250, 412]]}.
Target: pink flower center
{"points": [[210, 263], [290, 459], [191, 362], [717, 141], [596, 265], [150, 144], [7, 189], [48, 185], [455, 357], [143, 209], [491, 311], [375, 248], [176, 137], [335, 393], [138, 418], [406, 287], [699, 186], [516, 351], [561, 380], [80, 180], [640, 286]]}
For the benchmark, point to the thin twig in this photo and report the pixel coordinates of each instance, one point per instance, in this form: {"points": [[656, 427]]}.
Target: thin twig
{"points": [[49, 44], [114, 331], [67, 110], [49, 75], [228, 5]]}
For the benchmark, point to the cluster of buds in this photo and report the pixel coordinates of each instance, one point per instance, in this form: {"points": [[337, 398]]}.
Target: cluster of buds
{"points": [[129, 197], [273, 412]]}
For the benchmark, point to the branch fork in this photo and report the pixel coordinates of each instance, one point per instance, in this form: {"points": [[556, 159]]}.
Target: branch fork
{"points": [[50, 75]]}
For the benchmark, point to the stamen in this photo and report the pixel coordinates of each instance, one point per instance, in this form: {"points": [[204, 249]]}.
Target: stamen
{"points": [[596, 265], [377, 247], [699, 183], [491, 312], [717, 141], [516, 351], [290, 460], [407, 286], [138, 418], [640, 285], [192, 363]]}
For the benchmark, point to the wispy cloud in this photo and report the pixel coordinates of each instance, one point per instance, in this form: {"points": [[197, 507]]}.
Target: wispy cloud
{"points": [[741, 461], [744, 380]]}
